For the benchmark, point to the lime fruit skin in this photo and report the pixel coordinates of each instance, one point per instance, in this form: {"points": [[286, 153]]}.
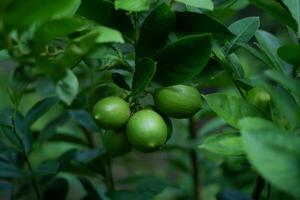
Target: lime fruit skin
{"points": [[146, 130], [178, 101], [115, 142], [259, 97], [111, 112]]}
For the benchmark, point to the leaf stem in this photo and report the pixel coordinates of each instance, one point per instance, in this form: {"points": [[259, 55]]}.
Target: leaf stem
{"points": [[194, 161], [33, 180]]}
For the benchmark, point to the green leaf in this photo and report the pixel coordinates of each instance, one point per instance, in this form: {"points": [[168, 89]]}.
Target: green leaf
{"points": [[274, 153], [22, 14], [269, 45], [182, 60], [105, 34], [195, 23], [58, 28], [8, 170], [294, 8], [227, 144], [244, 29], [4, 55], [133, 5], [67, 88], [146, 190], [277, 11], [50, 167], [84, 119], [119, 80], [229, 194], [287, 116], [205, 4], [104, 13], [155, 29], [290, 53], [90, 188], [37, 111], [144, 72], [231, 108], [286, 81]]}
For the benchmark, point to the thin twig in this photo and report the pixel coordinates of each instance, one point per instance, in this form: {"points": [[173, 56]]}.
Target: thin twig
{"points": [[194, 161], [24, 153]]}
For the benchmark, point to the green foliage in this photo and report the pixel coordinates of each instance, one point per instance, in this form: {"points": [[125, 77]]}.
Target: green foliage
{"points": [[278, 162], [227, 144], [182, 60], [59, 58]]}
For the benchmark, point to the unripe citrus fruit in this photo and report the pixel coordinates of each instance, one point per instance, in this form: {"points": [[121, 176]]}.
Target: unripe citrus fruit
{"points": [[178, 101], [111, 112], [115, 142], [259, 97], [166, 119], [146, 130]]}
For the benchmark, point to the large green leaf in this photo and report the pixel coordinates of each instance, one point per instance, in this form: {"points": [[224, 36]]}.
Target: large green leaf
{"points": [[294, 8], [8, 170], [285, 111], [58, 28], [67, 88], [231, 108], [104, 13], [155, 29], [277, 11], [144, 72], [105, 34], [182, 60], [146, 190], [37, 111], [133, 5], [228, 144], [286, 81], [205, 4], [22, 14], [196, 23], [274, 153], [290, 53], [269, 45], [244, 30]]}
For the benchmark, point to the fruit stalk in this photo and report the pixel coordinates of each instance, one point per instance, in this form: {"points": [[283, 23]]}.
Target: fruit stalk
{"points": [[194, 161]]}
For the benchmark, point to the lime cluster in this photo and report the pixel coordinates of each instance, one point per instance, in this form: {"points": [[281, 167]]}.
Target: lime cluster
{"points": [[148, 129]]}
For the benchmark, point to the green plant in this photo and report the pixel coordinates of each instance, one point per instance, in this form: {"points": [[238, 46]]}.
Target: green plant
{"points": [[66, 62]]}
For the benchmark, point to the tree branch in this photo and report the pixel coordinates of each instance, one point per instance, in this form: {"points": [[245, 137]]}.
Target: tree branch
{"points": [[194, 161]]}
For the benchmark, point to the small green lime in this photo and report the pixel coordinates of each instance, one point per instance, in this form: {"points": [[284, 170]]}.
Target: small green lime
{"points": [[178, 101], [259, 97], [146, 130], [111, 112], [115, 142]]}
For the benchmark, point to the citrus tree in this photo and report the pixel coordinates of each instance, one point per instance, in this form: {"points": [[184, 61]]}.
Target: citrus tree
{"points": [[150, 99]]}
